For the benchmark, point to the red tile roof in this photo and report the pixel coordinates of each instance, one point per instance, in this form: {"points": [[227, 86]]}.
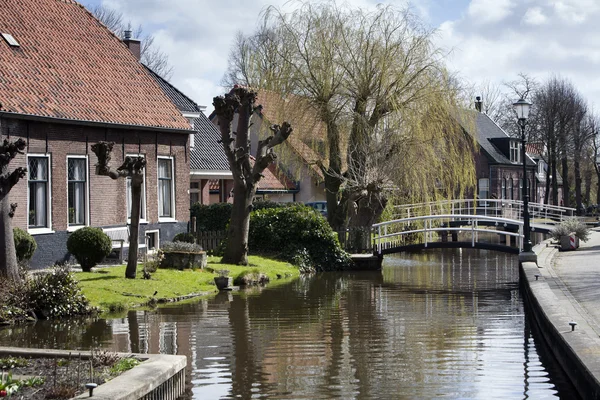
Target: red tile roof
{"points": [[70, 66], [309, 130], [273, 180]]}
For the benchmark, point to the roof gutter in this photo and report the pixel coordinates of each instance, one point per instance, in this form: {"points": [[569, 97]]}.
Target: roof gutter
{"points": [[98, 124]]}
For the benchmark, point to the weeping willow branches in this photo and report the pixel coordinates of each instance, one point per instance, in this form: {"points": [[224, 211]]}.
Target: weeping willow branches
{"points": [[377, 83]]}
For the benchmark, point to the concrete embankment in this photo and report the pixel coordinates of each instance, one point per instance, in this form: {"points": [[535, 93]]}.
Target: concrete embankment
{"points": [[561, 294]]}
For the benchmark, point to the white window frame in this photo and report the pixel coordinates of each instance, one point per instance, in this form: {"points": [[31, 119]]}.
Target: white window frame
{"points": [[48, 227], [152, 232], [87, 192], [515, 151], [172, 218], [483, 186], [144, 207]]}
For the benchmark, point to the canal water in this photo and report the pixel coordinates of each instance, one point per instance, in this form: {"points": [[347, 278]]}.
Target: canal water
{"points": [[436, 324]]}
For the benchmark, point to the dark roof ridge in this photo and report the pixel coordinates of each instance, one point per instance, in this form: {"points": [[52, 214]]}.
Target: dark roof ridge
{"points": [[173, 87]]}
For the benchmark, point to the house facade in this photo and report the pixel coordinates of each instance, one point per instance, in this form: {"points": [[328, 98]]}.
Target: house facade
{"points": [[68, 82], [498, 162]]}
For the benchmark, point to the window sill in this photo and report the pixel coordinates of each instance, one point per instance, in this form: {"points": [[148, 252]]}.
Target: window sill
{"points": [[75, 228], [164, 219], [142, 221], [39, 231]]}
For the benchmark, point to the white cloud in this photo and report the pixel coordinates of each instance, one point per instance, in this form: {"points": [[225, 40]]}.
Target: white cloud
{"points": [[535, 16], [489, 11]]}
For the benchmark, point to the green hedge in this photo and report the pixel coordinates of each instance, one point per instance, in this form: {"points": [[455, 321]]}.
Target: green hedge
{"points": [[215, 217], [298, 234]]}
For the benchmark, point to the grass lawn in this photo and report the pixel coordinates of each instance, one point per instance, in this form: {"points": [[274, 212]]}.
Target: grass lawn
{"points": [[108, 288]]}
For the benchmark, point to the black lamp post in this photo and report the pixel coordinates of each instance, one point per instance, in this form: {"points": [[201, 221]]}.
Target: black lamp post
{"points": [[522, 107]]}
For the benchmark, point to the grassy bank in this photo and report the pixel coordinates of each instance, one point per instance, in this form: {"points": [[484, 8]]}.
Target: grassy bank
{"points": [[108, 289]]}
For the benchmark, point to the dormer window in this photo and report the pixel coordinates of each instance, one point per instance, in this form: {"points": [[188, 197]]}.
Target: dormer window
{"points": [[515, 151]]}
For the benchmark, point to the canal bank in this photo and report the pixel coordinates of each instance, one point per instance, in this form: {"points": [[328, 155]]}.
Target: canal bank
{"points": [[562, 291]]}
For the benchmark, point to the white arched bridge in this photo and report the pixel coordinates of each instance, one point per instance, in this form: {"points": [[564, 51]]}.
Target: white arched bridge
{"points": [[485, 224]]}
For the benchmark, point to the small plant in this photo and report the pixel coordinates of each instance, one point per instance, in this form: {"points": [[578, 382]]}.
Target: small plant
{"points": [[153, 261], [33, 381], [185, 237], [105, 358], [224, 273], [89, 246], [124, 364], [571, 225], [180, 247], [8, 385], [25, 244], [13, 362], [62, 391], [56, 294]]}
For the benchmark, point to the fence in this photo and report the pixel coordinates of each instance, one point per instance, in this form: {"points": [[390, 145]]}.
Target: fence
{"points": [[210, 240]]}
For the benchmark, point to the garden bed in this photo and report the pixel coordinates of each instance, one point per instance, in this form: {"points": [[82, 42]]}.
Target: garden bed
{"points": [[59, 377], [124, 377]]}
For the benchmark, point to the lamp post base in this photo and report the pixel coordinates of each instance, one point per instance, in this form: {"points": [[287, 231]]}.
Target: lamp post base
{"points": [[527, 256]]}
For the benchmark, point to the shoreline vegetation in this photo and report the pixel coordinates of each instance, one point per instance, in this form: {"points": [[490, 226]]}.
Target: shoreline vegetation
{"points": [[61, 292], [106, 288]]}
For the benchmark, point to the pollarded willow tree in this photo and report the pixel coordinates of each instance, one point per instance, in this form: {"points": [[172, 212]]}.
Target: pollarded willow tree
{"points": [[246, 170], [379, 85], [132, 168], [8, 179]]}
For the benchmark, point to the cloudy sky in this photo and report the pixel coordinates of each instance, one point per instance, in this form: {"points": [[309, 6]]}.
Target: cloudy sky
{"points": [[487, 40]]}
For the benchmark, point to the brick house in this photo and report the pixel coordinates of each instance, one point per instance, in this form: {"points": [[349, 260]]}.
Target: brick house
{"points": [[498, 163], [66, 83], [210, 176], [296, 176]]}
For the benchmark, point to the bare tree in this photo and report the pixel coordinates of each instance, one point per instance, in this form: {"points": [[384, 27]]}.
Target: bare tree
{"points": [[373, 79], [133, 168], [150, 54], [246, 173], [8, 256]]}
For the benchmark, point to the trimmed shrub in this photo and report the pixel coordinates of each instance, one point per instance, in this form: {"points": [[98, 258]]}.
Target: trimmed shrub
{"points": [[56, 294], [25, 244], [571, 225], [214, 217], [185, 237], [297, 233], [261, 205], [89, 246]]}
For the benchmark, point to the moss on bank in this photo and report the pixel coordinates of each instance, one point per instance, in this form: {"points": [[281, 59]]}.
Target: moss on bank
{"points": [[108, 289]]}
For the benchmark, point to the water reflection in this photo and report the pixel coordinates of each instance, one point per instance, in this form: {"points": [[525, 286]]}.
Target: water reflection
{"points": [[432, 324]]}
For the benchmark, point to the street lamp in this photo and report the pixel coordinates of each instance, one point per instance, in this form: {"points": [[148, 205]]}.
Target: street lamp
{"points": [[521, 108]]}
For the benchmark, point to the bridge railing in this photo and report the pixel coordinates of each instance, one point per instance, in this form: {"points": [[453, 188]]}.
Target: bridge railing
{"points": [[512, 209], [405, 231]]}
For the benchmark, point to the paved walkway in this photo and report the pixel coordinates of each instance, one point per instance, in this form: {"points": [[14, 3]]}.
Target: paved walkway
{"points": [[577, 276], [567, 289]]}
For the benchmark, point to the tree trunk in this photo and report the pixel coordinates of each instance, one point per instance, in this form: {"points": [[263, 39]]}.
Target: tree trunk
{"points": [[598, 188], [236, 251], [566, 186], [8, 256], [333, 175], [587, 180], [134, 228], [555, 184], [577, 172]]}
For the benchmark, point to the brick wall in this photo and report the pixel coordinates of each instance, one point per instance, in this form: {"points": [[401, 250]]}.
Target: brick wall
{"points": [[107, 197]]}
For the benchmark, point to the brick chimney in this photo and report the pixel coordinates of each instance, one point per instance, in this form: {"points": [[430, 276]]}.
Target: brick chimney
{"points": [[478, 103], [133, 44]]}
